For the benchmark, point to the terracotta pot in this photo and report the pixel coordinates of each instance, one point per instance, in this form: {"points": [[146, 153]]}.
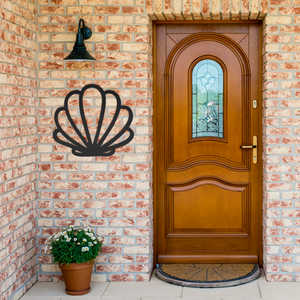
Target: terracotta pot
{"points": [[77, 277]]}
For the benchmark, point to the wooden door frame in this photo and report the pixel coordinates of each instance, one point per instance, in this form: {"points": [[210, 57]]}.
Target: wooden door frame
{"points": [[259, 107]]}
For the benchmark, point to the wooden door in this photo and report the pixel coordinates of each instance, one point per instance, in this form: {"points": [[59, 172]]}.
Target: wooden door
{"points": [[207, 188]]}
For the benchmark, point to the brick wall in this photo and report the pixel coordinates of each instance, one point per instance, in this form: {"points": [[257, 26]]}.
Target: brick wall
{"points": [[18, 134], [113, 194], [281, 141]]}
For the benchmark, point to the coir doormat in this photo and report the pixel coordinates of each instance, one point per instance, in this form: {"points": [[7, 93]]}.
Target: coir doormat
{"points": [[208, 275]]}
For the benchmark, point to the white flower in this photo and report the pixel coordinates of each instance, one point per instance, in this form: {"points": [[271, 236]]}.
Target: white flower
{"points": [[68, 222], [57, 240], [68, 239], [83, 249], [70, 229], [90, 244], [79, 230], [65, 236], [78, 243], [60, 234], [93, 238], [95, 242], [71, 226], [84, 240], [85, 229], [64, 233], [75, 239]]}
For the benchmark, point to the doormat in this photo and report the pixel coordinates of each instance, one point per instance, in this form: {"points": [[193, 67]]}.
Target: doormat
{"points": [[208, 275]]}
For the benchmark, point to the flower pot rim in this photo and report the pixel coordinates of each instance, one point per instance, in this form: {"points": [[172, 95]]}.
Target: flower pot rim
{"points": [[75, 266]]}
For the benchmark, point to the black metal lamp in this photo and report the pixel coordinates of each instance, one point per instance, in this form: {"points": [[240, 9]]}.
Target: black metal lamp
{"points": [[79, 51]]}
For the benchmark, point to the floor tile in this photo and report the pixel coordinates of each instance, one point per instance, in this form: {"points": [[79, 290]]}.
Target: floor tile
{"points": [[279, 289], [25, 297], [142, 289], [92, 298], [154, 278], [242, 298], [198, 298], [57, 289], [272, 298], [245, 290], [281, 298], [262, 276], [122, 298]]}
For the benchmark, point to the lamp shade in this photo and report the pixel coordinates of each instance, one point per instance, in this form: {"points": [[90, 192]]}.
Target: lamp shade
{"points": [[79, 51]]}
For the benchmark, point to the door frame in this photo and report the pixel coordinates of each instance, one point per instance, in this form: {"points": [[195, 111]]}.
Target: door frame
{"points": [[259, 108]]}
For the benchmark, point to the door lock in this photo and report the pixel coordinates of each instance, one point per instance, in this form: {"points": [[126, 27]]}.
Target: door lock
{"points": [[254, 147]]}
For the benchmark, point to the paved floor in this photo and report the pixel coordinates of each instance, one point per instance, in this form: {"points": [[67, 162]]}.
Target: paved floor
{"points": [[159, 290]]}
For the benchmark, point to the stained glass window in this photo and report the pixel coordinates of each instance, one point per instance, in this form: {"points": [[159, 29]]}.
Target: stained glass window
{"points": [[207, 107]]}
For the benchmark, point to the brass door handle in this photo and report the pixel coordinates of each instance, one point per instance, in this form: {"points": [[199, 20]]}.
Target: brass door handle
{"points": [[254, 147], [247, 147]]}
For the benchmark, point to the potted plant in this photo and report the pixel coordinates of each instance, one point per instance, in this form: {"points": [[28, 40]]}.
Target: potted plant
{"points": [[75, 250]]}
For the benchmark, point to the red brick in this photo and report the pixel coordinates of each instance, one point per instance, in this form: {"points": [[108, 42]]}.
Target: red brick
{"points": [[289, 10], [53, 213], [107, 47], [113, 259], [121, 277], [280, 2], [278, 39], [66, 204], [48, 10], [107, 10], [279, 259], [80, 213], [136, 268], [290, 66], [121, 241], [108, 268]]}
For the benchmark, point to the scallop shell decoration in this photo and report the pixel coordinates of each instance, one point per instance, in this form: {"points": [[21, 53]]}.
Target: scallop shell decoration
{"points": [[86, 138]]}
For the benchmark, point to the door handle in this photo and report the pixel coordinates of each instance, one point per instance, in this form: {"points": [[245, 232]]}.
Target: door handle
{"points": [[254, 147], [248, 147]]}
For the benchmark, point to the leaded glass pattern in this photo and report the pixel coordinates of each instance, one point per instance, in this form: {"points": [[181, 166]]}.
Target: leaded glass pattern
{"points": [[207, 107]]}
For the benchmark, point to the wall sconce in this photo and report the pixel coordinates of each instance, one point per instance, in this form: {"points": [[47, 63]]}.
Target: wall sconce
{"points": [[79, 51]]}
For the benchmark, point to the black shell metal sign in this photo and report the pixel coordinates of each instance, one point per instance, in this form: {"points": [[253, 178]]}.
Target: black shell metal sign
{"points": [[93, 145]]}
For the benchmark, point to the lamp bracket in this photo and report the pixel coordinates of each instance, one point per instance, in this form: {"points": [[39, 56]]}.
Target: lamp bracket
{"points": [[86, 32]]}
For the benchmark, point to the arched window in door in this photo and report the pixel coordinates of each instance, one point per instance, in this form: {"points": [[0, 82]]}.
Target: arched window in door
{"points": [[207, 107]]}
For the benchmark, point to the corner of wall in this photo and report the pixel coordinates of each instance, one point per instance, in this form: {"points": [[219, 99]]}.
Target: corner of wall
{"points": [[18, 130]]}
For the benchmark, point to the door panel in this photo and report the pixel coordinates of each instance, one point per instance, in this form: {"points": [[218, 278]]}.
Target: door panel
{"points": [[206, 188], [224, 151], [206, 215]]}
